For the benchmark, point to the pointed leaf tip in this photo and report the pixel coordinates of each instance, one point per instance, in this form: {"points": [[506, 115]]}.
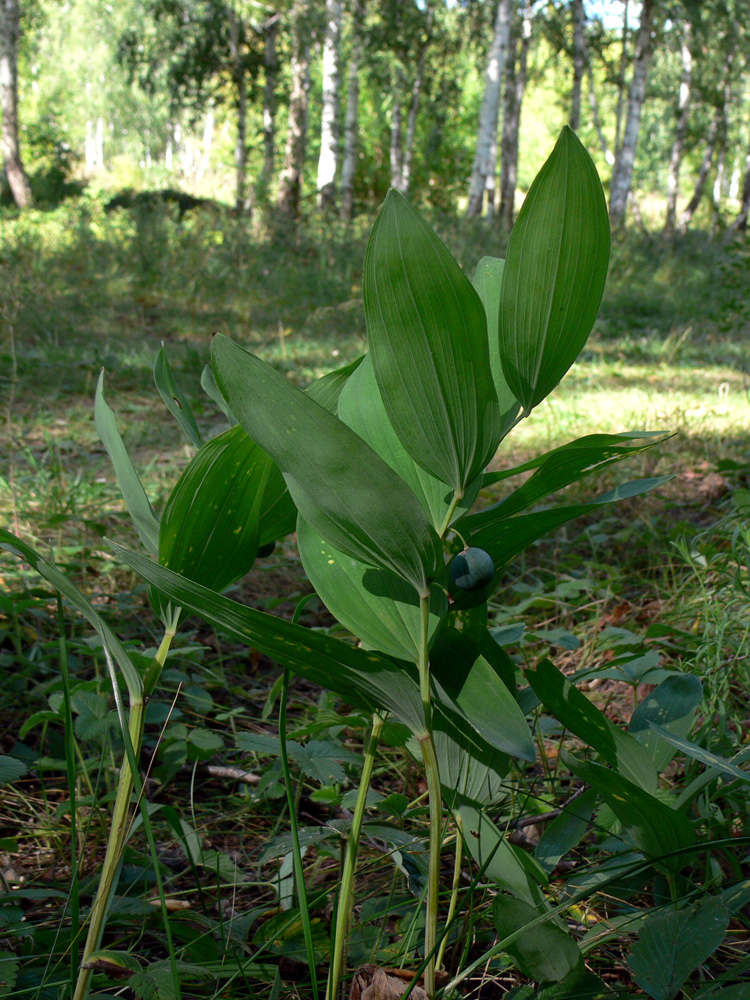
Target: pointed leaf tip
{"points": [[427, 333], [555, 272]]}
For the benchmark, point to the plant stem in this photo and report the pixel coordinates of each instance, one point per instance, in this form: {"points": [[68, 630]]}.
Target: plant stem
{"points": [[346, 892], [432, 773], [70, 760], [454, 888], [299, 875], [457, 498], [120, 822], [115, 844]]}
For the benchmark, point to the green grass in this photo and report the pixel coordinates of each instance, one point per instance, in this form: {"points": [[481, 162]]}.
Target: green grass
{"points": [[84, 290]]}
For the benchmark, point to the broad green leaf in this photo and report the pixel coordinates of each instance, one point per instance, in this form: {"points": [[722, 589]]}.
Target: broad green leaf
{"points": [[361, 407], [672, 943], [211, 389], [327, 389], [209, 528], [476, 687], [364, 679], [504, 537], [464, 779], [488, 279], [278, 515], [707, 757], [609, 446], [562, 467], [671, 705], [649, 823], [341, 487], [566, 830], [61, 583], [555, 271], [174, 398], [508, 866], [545, 952], [378, 607], [133, 493], [591, 725], [427, 334]]}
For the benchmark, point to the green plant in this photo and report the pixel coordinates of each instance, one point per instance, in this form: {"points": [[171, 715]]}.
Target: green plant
{"points": [[378, 466]]}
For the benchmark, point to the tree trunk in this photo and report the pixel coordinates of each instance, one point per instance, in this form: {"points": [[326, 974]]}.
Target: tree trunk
{"points": [[622, 176], [271, 68], [489, 111], [240, 98], [579, 62], [490, 185], [678, 146], [416, 92], [290, 182], [740, 223], [703, 171], [351, 126], [208, 136], [609, 156], [329, 128], [514, 90], [411, 124], [9, 30], [717, 190], [621, 79], [397, 132]]}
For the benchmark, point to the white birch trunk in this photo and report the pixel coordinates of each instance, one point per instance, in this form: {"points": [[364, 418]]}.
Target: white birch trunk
{"points": [[621, 79], [290, 181], [678, 145], [489, 111], [208, 136], [10, 18], [703, 171], [329, 131], [416, 92], [579, 62], [609, 156], [397, 132], [411, 125], [515, 88], [271, 68], [351, 123], [622, 177]]}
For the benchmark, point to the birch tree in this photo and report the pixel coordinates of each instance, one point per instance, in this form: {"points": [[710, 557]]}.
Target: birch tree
{"points": [[236, 32], [329, 126], [271, 72], [416, 93], [579, 61], [514, 92], [489, 111], [622, 175], [290, 181], [10, 18], [351, 121], [683, 113]]}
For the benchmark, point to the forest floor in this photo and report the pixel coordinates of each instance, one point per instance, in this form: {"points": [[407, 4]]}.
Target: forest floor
{"points": [[84, 291]]}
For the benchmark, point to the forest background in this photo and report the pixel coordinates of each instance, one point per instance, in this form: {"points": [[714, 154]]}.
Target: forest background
{"points": [[335, 102]]}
